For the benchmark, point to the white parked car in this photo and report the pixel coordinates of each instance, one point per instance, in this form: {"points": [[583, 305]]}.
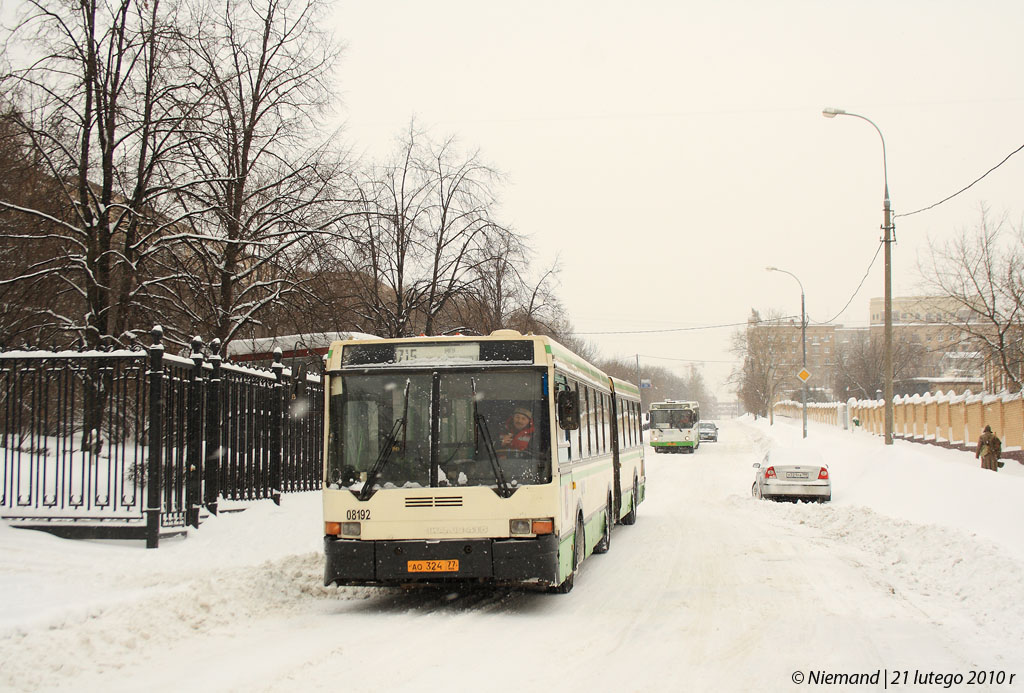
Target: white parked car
{"points": [[792, 474]]}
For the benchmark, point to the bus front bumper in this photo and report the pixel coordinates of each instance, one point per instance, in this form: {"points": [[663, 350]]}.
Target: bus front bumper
{"points": [[392, 562]]}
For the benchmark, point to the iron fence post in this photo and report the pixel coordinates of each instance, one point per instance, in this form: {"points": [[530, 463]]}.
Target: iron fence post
{"points": [[155, 462], [213, 431], [277, 427], [194, 437]]}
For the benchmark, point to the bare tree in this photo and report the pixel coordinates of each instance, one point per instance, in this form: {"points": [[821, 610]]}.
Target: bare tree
{"points": [[27, 295], [982, 272], [458, 227], [263, 68], [505, 294], [101, 99], [763, 346], [859, 371], [424, 237]]}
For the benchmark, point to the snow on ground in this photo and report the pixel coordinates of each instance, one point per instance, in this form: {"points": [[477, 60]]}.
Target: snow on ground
{"points": [[915, 566]]}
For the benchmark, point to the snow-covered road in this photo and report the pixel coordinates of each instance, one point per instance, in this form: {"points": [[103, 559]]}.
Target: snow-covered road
{"points": [[710, 590]]}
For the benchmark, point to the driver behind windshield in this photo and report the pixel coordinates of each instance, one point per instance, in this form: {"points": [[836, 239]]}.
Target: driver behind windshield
{"points": [[517, 431]]}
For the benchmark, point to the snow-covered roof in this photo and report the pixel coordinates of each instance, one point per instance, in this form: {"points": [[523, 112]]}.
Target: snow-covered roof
{"points": [[962, 355], [310, 341]]}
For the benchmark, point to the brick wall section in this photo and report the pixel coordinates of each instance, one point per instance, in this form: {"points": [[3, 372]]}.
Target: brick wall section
{"points": [[954, 421], [942, 421], [974, 421], [1013, 423], [957, 421], [931, 419]]}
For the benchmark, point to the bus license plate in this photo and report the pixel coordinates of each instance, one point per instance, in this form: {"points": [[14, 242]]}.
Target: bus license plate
{"points": [[445, 566], [796, 475]]}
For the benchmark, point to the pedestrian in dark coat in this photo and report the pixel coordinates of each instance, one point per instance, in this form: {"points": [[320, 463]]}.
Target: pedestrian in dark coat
{"points": [[989, 449]]}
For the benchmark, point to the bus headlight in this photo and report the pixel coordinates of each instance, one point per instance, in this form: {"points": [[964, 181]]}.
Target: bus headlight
{"points": [[519, 527], [534, 526], [344, 529]]}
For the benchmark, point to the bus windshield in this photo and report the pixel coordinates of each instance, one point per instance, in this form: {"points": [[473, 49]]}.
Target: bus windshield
{"points": [[672, 418], [491, 429]]}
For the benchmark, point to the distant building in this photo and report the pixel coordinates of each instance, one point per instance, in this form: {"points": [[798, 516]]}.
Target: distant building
{"points": [[951, 359]]}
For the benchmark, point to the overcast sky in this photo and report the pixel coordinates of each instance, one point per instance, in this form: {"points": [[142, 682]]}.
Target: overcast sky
{"points": [[667, 152]]}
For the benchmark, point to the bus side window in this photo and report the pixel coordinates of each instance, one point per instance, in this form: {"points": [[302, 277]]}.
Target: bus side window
{"points": [[583, 420], [629, 423], [591, 423], [617, 428], [621, 425], [587, 417], [627, 437], [609, 422], [605, 437]]}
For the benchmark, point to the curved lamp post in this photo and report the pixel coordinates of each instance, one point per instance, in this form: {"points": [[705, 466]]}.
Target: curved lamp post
{"points": [[887, 227], [803, 335]]}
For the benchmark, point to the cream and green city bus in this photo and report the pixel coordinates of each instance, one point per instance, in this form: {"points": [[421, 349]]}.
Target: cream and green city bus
{"points": [[503, 459], [674, 426]]}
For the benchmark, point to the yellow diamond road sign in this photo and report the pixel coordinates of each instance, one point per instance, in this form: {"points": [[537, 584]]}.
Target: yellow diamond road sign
{"points": [[804, 374]]}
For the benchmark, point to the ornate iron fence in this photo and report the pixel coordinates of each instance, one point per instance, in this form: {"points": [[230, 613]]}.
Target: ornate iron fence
{"points": [[134, 444]]}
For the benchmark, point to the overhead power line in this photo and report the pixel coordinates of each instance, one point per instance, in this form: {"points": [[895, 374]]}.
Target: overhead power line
{"points": [[859, 286], [946, 199], [674, 329], [670, 358], [738, 324]]}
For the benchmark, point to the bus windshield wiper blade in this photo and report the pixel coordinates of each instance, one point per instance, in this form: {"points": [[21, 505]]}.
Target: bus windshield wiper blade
{"points": [[389, 447], [382, 459], [499, 473], [483, 432]]}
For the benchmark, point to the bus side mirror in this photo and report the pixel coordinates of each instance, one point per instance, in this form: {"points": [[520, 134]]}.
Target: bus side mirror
{"points": [[568, 410]]}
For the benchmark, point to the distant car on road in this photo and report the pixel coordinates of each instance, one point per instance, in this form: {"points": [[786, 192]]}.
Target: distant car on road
{"points": [[708, 431], [792, 474]]}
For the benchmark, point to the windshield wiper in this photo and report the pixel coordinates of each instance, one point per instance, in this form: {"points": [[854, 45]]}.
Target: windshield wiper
{"points": [[390, 446], [499, 474], [481, 424]]}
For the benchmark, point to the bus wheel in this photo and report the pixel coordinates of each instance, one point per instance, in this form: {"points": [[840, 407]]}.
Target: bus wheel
{"points": [[630, 517], [565, 587], [579, 545], [578, 550], [606, 540]]}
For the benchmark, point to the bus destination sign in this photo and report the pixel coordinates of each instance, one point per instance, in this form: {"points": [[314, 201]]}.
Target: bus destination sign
{"points": [[415, 353], [438, 353]]}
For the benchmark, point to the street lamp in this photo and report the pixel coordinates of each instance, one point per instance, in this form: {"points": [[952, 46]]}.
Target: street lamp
{"points": [[887, 227], [803, 336]]}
